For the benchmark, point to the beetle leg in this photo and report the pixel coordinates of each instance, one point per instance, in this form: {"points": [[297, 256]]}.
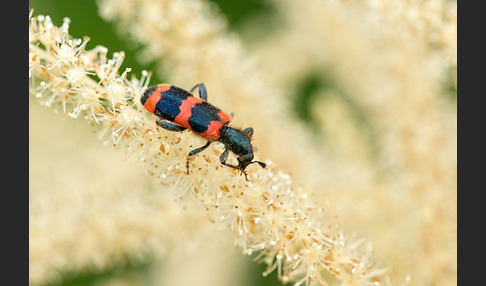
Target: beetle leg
{"points": [[223, 158], [248, 132], [194, 152], [203, 94], [170, 126]]}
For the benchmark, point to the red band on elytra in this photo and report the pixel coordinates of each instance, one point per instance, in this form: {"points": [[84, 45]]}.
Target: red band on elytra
{"points": [[213, 131], [224, 117], [185, 111]]}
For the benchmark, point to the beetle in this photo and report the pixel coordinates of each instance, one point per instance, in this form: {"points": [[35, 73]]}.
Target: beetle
{"points": [[178, 110]]}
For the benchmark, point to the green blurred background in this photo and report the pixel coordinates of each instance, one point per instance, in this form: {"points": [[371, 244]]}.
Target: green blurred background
{"points": [[86, 21]]}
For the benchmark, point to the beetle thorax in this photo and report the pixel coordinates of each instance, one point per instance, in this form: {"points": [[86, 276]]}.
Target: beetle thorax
{"points": [[236, 141]]}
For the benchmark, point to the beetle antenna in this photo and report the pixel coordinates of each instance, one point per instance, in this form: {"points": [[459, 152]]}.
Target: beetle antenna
{"points": [[263, 165]]}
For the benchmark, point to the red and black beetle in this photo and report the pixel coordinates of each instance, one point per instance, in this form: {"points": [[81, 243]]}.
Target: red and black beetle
{"points": [[179, 110]]}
